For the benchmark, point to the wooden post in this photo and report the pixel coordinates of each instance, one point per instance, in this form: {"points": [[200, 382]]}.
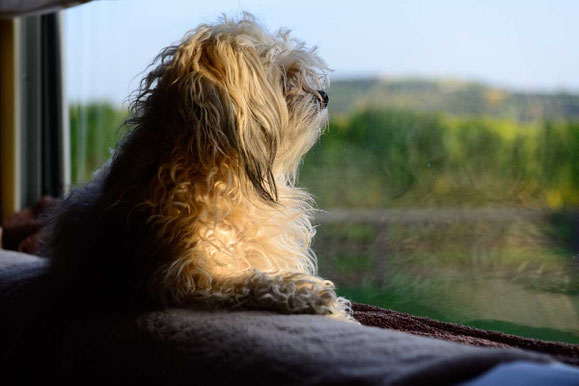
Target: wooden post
{"points": [[9, 119]]}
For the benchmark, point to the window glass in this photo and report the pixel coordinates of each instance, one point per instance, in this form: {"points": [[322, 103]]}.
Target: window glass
{"points": [[449, 173]]}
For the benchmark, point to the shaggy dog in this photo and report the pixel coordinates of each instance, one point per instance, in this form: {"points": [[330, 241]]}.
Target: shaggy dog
{"points": [[198, 204]]}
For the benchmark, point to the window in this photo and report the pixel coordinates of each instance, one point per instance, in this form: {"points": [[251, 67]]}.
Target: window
{"points": [[449, 174]]}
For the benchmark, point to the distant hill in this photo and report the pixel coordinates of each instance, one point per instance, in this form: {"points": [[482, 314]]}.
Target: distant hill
{"points": [[451, 96]]}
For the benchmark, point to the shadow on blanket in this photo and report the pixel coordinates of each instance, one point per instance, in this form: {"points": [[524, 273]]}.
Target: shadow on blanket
{"points": [[49, 334]]}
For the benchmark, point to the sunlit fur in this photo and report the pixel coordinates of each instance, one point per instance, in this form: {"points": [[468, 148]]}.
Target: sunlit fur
{"points": [[198, 203]]}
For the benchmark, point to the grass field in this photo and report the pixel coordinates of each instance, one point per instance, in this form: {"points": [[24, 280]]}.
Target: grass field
{"points": [[502, 274]]}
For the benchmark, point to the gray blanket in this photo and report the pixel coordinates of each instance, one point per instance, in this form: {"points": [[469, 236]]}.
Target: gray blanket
{"points": [[47, 337]]}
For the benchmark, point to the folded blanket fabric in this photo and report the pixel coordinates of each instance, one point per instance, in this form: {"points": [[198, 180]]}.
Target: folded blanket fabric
{"points": [[50, 335], [379, 317], [528, 374]]}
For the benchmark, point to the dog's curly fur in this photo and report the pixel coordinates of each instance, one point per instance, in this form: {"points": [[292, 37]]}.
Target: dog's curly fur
{"points": [[198, 203]]}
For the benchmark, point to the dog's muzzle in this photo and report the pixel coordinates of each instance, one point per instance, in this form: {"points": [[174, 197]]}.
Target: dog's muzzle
{"points": [[325, 99]]}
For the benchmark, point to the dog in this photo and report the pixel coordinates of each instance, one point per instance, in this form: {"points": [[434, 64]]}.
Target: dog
{"points": [[198, 204]]}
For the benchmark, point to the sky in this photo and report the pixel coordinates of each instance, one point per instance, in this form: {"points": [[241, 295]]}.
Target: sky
{"points": [[520, 45]]}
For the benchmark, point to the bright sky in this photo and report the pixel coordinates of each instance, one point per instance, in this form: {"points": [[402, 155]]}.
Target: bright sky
{"points": [[520, 44]]}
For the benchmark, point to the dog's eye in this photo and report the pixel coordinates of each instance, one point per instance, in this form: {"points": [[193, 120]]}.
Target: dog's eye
{"points": [[323, 98]]}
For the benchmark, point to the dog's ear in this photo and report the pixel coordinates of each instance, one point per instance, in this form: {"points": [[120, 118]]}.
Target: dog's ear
{"points": [[232, 105]]}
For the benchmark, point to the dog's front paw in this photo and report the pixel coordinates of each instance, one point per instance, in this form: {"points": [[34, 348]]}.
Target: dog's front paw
{"points": [[294, 293]]}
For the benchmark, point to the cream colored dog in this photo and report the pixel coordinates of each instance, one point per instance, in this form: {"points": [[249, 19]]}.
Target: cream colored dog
{"points": [[198, 204]]}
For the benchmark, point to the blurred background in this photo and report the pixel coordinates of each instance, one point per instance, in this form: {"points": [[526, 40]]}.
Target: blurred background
{"points": [[449, 174]]}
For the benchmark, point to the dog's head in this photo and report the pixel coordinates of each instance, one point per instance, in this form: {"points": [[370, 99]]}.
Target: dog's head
{"points": [[234, 94]]}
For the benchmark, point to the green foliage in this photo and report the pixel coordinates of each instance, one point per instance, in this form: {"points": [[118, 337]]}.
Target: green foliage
{"points": [[401, 158], [93, 133], [382, 155]]}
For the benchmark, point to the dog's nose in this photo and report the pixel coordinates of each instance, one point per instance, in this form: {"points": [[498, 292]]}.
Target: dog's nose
{"points": [[325, 97]]}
